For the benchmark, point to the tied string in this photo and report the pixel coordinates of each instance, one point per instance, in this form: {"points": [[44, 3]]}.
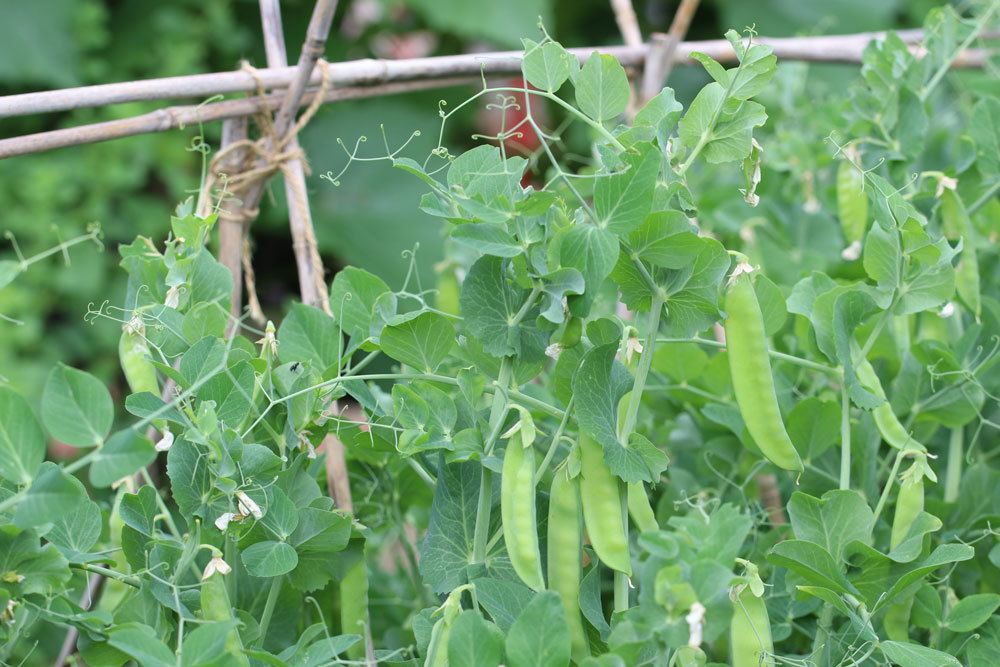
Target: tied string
{"points": [[244, 165]]}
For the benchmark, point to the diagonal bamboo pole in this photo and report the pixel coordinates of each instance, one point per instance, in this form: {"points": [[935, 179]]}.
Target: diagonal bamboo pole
{"points": [[662, 48]]}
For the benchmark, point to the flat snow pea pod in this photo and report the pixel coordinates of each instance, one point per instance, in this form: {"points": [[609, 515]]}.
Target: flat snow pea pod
{"points": [[602, 509], [133, 353], [909, 502], [437, 649], [564, 548], [215, 606], [750, 368], [517, 509], [956, 224], [889, 426], [354, 607], [639, 508], [750, 630]]}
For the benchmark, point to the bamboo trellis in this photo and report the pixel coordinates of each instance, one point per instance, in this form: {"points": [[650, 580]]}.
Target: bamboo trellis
{"points": [[309, 85]]}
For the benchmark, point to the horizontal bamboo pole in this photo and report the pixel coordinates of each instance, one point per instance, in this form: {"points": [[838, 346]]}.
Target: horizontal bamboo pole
{"points": [[170, 118], [833, 48]]}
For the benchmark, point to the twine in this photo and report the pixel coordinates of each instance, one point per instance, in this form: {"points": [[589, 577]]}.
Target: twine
{"points": [[244, 165]]}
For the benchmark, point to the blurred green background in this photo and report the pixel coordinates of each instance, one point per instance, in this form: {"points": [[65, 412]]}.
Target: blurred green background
{"points": [[130, 186]]}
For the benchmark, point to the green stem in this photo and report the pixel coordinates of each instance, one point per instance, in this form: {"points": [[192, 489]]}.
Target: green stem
{"points": [[946, 65], [821, 642], [985, 197], [845, 439], [554, 445], [953, 476], [485, 505], [108, 573], [798, 361], [888, 486], [272, 599]]}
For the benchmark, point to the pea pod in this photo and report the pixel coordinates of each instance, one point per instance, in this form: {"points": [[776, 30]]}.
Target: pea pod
{"points": [[215, 606], [564, 545], [750, 368], [517, 508], [639, 508], [750, 630], [354, 607], [956, 224], [133, 353], [852, 202], [909, 502], [602, 513], [437, 649], [886, 421]]}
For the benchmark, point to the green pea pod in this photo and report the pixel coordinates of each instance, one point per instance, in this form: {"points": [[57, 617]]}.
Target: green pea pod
{"points": [[134, 356], [888, 425], [956, 224], [639, 508], [909, 503], [602, 510], [215, 606], [750, 630], [571, 332], [437, 650], [517, 508], [564, 547], [852, 202], [750, 368], [897, 620], [448, 290], [354, 607]]}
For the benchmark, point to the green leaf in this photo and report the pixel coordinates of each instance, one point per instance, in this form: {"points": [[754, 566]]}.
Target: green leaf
{"points": [[490, 302], [52, 494], [971, 612], [556, 286], [122, 455], [539, 636], [421, 342], [352, 300], [814, 426], [44, 569], [76, 407], [546, 67], [319, 535], [722, 126], [206, 644], [22, 443], [475, 641], [77, 530], [665, 239], [906, 654], [592, 251], [881, 581], [142, 643], [203, 360], [602, 88], [270, 558], [503, 599], [308, 334], [832, 522], [985, 130], [813, 563], [191, 485], [757, 66], [622, 200], [483, 175], [487, 238], [599, 384], [9, 270]]}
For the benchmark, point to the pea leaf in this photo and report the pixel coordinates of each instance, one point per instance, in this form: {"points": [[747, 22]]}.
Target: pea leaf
{"points": [[539, 636], [353, 296], [622, 199], [813, 563], [490, 302], [599, 384], [421, 341], [270, 558], [22, 443], [832, 522], [602, 88], [906, 654], [52, 494], [592, 251], [124, 453], [77, 530], [971, 612], [319, 535], [488, 238], [546, 67], [308, 334], [141, 642], [76, 407], [813, 425], [475, 641]]}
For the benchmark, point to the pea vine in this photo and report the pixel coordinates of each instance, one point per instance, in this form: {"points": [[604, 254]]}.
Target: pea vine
{"points": [[688, 403]]}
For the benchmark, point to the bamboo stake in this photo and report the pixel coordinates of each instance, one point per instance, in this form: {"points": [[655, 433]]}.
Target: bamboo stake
{"points": [[232, 231], [171, 118], [831, 48], [660, 61], [628, 24], [312, 284]]}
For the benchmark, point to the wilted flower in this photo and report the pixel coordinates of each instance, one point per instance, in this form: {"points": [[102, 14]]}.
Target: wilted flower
{"points": [[223, 521], [248, 506], [851, 252], [165, 442], [173, 297]]}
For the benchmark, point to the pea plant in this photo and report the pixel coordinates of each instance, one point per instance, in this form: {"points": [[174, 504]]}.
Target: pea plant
{"points": [[723, 391]]}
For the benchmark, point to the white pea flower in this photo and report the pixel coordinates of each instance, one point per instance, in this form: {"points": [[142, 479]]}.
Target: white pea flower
{"points": [[248, 506], [945, 182], [269, 341], [165, 442], [632, 347], [851, 252], [223, 521], [552, 351], [947, 310], [173, 297], [216, 565], [696, 624]]}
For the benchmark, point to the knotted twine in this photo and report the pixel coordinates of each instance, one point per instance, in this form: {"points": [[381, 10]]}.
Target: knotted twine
{"points": [[245, 164]]}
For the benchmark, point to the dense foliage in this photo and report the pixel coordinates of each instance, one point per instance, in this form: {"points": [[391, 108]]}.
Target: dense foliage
{"points": [[723, 390]]}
